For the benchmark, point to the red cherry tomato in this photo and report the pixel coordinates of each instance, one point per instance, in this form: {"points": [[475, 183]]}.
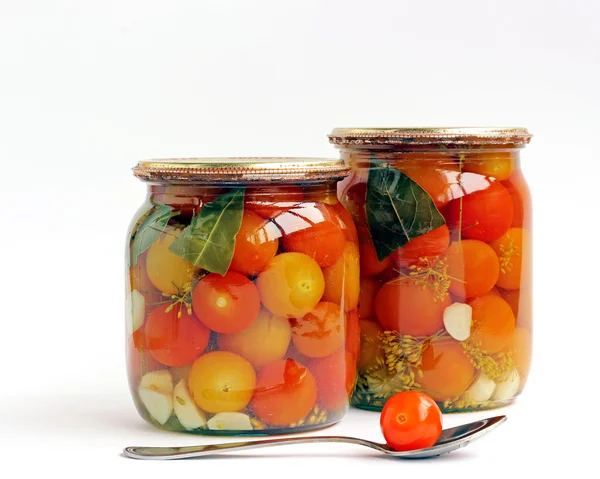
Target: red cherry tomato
{"points": [[432, 244], [486, 212], [411, 420], [226, 304], [174, 337]]}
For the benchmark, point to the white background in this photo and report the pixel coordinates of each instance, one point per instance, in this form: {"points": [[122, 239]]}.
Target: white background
{"points": [[88, 88]]}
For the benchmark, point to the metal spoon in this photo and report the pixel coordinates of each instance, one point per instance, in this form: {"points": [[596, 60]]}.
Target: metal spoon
{"points": [[450, 439]]}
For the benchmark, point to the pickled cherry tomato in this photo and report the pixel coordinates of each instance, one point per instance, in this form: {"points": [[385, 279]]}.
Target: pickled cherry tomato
{"points": [[435, 177], [408, 308], [221, 381], [335, 376], [473, 268], [167, 271], [353, 334], [321, 331], [342, 279], [369, 264], [291, 285], [366, 303], [410, 420], [521, 197], [484, 214], [447, 371], [428, 246], [314, 230], [173, 336], [509, 249], [496, 164], [493, 323], [370, 345], [255, 244], [286, 392], [226, 304], [270, 201]]}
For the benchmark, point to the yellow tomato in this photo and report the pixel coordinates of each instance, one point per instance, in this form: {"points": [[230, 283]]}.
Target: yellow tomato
{"points": [[221, 382], [167, 271], [321, 331], [266, 340], [291, 285], [342, 279]]}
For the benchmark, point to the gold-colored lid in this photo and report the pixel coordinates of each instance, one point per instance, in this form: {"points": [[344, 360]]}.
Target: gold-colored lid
{"points": [[241, 170], [448, 136]]}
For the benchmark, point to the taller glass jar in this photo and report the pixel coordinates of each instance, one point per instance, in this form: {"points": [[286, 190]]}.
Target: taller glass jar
{"points": [[242, 296], [444, 221]]}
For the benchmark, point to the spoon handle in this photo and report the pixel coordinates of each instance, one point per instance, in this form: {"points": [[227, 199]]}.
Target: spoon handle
{"points": [[184, 452]]}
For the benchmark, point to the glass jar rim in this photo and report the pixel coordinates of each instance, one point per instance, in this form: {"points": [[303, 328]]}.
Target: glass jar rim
{"points": [[443, 136], [241, 170]]}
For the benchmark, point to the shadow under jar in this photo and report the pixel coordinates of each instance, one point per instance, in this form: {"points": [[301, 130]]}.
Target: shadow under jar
{"points": [[444, 221], [242, 296]]}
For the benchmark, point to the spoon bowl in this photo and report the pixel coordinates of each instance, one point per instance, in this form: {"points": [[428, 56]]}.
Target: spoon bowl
{"points": [[451, 439]]}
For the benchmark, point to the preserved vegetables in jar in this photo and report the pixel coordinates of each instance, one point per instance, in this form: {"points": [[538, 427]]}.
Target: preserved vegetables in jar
{"points": [[242, 296], [444, 223]]}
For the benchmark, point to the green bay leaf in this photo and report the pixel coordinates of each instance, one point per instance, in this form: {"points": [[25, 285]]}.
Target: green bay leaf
{"points": [[398, 209], [208, 242], [150, 229]]}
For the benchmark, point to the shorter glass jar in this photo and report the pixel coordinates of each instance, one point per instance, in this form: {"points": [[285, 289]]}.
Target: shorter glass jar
{"points": [[444, 221], [242, 296]]}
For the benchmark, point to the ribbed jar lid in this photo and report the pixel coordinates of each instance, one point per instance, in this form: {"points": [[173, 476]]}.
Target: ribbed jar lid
{"points": [[449, 136], [241, 170]]}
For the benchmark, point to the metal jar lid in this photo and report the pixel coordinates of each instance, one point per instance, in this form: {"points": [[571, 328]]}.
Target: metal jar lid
{"points": [[241, 170], [447, 136]]}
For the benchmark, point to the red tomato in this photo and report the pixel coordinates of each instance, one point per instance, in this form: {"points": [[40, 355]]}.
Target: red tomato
{"points": [[366, 300], [487, 209], [335, 376], [174, 337], [270, 201], [313, 229], [369, 264], [226, 304], [408, 308], [255, 244], [286, 392], [411, 420], [432, 244]]}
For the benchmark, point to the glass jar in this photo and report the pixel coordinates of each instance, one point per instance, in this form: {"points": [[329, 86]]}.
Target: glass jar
{"points": [[444, 221], [242, 296]]}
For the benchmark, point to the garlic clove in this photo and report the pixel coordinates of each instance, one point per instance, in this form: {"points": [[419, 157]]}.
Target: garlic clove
{"points": [[156, 394], [457, 320], [507, 387], [231, 421], [188, 414], [136, 311], [481, 389]]}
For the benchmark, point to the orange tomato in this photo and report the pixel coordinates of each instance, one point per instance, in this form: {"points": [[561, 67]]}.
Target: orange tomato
{"points": [[255, 244], [366, 301], [370, 345], [521, 198], [291, 285], [286, 392], [369, 264], [495, 164], [319, 333], [493, 323], [342, 279], [473, 268], [427, 246], [435, 177], [402, 306], [221, 381], [353, 334], [264, 341], [226, 304], [314, 230], [270, 201], [520, 303], [520, 346], [174, 337], [335, 376], [447, 371], [509, 249], [485, 211]]}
